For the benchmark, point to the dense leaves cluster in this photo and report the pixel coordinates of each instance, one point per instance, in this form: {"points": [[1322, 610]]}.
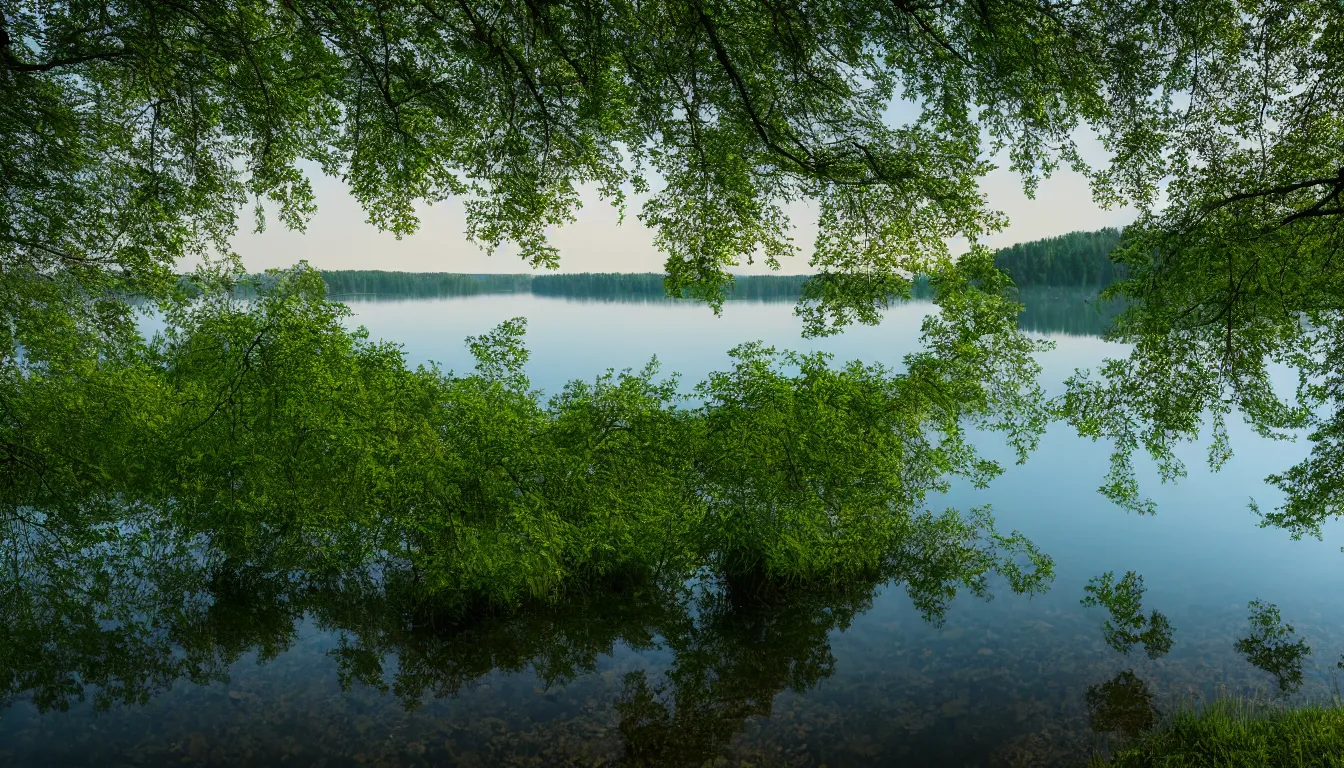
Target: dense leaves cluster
{"points": [[246, 420], [1238, 270], [132, 132]]}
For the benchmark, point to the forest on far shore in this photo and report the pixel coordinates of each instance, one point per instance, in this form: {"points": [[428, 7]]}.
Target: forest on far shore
{"points": [[1078, 259]]}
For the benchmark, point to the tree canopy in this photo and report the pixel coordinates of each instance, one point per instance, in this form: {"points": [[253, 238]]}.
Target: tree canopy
{"points": [[249, 420], [1238, 269], [133, 133]]}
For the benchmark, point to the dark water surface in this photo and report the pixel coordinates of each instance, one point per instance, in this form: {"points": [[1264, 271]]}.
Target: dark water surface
{"points": [[254, 670]]}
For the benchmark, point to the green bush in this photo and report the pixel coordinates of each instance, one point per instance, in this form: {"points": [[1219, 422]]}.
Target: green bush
{"points": [[255, 420]]}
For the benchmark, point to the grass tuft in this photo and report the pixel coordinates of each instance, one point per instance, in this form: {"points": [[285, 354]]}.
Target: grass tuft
{"points": [[1235, 733]]}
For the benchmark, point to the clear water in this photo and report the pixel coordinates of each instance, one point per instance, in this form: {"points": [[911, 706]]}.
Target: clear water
{"points": [[842, 679]]}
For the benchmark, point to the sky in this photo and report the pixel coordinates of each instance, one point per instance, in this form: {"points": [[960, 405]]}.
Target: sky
{"points": [[340, 237]]}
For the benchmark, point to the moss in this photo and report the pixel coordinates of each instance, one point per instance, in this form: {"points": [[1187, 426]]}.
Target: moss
{"points": [[1237, 733]]}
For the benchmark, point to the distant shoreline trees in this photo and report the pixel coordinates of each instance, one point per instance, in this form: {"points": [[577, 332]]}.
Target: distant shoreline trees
{"points": [[602, 286], [1078, 259]]}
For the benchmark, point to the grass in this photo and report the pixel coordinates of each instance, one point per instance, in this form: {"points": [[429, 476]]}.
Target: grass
{"points": [[1235, 733]]}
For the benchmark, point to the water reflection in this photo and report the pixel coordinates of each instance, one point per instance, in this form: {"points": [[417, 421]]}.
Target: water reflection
{"points": [[1069, 311], [137, 613], [382, 627], [1121, 705], [120, 628], [1073, 311], [1126, 625], [1273, 647], [206, 659], [729, 665], [166, 633]]}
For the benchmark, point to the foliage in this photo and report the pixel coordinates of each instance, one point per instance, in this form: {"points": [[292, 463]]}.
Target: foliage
{"points": [[1237, 270], [1271, 647], [266, 418], [804, 472], [134, 133], [1234, 734], [1125, 627]]}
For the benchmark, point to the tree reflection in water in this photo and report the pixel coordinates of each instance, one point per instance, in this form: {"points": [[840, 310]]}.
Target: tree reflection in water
{"points": [[123, 615], [729, 665], [1121, 705]]}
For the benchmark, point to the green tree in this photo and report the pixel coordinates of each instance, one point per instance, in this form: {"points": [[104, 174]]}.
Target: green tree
{"points": [[133, 132], [1238, 269]]}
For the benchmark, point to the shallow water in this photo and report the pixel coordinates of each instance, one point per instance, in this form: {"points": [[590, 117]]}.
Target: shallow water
{"points": [[265, 674]]}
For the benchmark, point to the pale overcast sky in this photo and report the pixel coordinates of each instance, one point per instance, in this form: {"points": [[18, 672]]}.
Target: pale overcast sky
{"points": [[339, 236]]}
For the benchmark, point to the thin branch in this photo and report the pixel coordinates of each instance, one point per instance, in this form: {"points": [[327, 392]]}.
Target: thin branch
{"points": [[912, 12], [1313, 212], [725, 61], [1280, 190], [12, 63]]}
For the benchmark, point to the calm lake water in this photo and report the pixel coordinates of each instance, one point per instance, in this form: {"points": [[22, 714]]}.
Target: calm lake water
{"points": [[852, 677]]}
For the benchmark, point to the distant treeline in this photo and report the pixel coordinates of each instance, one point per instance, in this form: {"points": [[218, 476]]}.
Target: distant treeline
{"points": [[603, 286], [357, 283], [606, 286], [1080, 259], [1074, 310]]}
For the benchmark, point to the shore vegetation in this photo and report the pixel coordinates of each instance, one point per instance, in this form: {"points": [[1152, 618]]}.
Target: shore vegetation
{"points": [[1234, 733]]}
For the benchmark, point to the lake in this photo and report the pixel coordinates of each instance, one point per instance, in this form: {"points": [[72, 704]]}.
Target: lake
{"points": [[267, 675]]}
